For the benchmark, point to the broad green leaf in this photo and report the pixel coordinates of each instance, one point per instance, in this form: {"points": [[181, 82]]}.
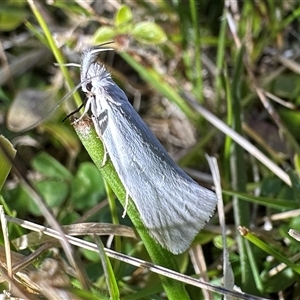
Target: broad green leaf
{"points": [[149, 33], [11, 17], [104, 34], [54, 193], [291, 119], [279, 281], [5, 164], [49, 166], [218, 242], [124, 15], [87, 187], [91, 256]]}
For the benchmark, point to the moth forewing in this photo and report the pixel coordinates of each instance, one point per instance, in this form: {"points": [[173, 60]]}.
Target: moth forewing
{"points": [[172, 206]]}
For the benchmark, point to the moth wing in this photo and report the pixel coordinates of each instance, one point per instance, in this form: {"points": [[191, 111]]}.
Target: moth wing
{"points": [[172, 206]]}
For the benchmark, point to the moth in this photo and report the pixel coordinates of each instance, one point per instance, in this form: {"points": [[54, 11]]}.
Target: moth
{"points": [[172, 206]]}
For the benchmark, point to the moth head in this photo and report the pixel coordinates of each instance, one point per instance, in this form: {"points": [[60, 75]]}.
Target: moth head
{"points": [[89, 86], [97, 77]]}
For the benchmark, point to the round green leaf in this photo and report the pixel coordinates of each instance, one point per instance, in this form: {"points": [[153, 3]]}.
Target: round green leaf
{"points": [[50, 167], [124, 15], [53, 191], [11, 18], [149, 33], [291, 120], [87, 187], [91, 256], [104, 34], [218, 242]]}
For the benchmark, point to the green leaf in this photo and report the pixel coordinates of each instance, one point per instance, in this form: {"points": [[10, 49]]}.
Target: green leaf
{"points": [[53, 191], [87, 187], [124, 15], [291, 119], [104, 34], [279, 281], [271, 186], [49, 166], [149, 33], [218, 242], [5, 164], [91, 256], [11, 17]]}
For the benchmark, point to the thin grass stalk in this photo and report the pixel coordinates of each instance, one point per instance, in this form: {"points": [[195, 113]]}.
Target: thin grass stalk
{"points": [[241, 209]]}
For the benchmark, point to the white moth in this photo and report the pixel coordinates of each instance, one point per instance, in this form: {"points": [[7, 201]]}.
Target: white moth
{"points": [[173, 207]]}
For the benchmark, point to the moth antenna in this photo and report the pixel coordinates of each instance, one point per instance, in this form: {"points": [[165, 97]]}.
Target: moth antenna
{"points": [[100, 46], [67, 65], [96, 50], [73, 112], [68, 95], [53, 109]]}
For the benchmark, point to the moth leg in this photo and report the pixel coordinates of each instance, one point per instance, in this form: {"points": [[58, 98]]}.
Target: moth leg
{"points": [[86, 108], [126, 205]]}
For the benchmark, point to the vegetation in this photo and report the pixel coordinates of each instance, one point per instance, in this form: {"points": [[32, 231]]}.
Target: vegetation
{"points": [[215, 77]]}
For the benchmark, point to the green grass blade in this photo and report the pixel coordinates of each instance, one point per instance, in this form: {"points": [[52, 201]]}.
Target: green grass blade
{"points": [[270, 249], [5, 164], [108, 271], [55, 50], [241, 209]]}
